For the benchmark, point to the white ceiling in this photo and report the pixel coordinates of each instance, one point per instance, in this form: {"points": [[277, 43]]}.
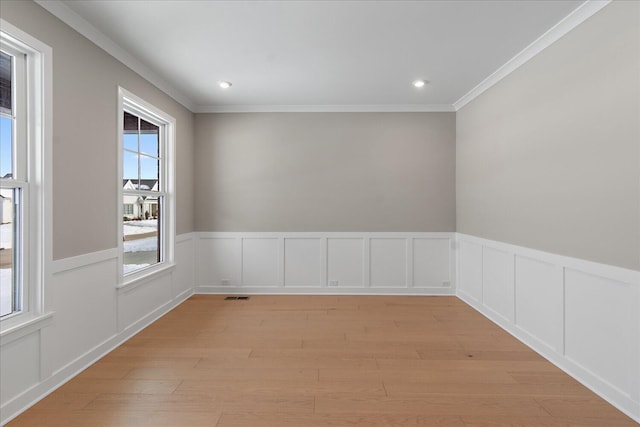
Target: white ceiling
{"points": [[355, 54]]}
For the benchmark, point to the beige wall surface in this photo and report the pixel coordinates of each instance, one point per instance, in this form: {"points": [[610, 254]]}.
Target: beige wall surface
{"points": [[325, 172], [549, 157], [85, 83]]}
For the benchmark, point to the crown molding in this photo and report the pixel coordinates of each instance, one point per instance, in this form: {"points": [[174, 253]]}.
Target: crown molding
{"points": [[60, 10], [81, 25], [75, 21], [571, 21], [408, 108]]}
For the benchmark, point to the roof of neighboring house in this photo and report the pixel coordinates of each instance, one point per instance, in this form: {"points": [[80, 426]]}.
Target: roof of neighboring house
{"points": [[145, 184]]}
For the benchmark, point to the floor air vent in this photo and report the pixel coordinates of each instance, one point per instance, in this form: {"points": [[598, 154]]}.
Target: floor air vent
{"points": [[236, 298]]}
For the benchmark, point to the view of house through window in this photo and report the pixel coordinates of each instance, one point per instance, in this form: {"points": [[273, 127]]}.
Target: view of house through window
{"points": [[142, 194]]}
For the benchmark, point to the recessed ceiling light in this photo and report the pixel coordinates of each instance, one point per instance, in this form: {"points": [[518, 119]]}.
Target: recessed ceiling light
{"points": [[419, 83], [224, 84]]}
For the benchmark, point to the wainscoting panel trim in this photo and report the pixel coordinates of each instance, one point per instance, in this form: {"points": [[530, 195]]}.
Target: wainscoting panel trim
{"points": [[383, 263], [581, 315]]}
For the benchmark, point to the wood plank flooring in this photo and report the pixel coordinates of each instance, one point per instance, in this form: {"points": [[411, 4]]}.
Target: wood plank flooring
{"points": [[307, 361]]}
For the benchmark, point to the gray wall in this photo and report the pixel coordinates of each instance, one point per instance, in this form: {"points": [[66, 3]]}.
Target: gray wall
{"points": [[85, 81], [325, 172], [549, 157]]}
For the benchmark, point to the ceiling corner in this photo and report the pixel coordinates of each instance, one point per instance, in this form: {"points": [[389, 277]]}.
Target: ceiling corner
{"points": [[61, 11], [571, 21]]}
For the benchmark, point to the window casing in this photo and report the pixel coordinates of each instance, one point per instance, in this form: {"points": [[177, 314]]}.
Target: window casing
{"points": [[145, 185], [25, 184]]}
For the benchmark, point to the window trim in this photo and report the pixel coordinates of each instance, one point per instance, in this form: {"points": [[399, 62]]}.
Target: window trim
{"points": [[37, 237], [131, 103]]}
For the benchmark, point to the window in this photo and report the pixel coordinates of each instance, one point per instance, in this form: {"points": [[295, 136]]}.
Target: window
{"points": [[25, 65], [146, 148], [13, 176]]}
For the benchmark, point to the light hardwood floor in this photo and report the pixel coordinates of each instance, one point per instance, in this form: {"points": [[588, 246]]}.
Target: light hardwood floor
{"points": [[306, 361]]}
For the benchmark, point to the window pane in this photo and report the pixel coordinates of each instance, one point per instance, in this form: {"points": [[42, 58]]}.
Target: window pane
{"points": [[149, 143], [147, 127], [130, 167], [6, 77], [141, 213], [9, 289], [149, 169], [130, 141], [6, 147], [141, 234], [130, 123]]}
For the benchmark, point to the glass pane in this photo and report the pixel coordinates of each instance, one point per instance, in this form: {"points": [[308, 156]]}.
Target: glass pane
{"points": [[149, 170], [6, 147], [130, 123], [130, 167], [127, 210], [149, 143], [6, 75], [130, 141], [141, 233], [147, 127], [9, 290]]}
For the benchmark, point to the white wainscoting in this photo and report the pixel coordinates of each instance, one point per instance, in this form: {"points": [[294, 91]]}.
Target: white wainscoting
{"points": [[91, 316], [325, 263], [582, 316]]}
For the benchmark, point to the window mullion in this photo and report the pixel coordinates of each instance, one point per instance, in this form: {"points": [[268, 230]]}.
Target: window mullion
{"points": [[13, 183], [143, 193]]}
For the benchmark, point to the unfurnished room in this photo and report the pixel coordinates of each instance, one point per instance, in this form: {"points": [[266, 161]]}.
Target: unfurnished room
{"points": [[320, 213]]}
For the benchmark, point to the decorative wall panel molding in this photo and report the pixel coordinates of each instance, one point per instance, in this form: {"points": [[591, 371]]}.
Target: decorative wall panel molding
{"points": [[91, 317], [580, 315], [325, 263]]}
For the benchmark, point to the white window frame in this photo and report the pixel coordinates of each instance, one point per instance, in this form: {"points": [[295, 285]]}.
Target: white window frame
{"points": [[19, 182], [133, 104], [33, 174]]}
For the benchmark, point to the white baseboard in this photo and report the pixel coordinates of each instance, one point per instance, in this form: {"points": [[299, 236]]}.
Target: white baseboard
{"points": [[262, 290]]}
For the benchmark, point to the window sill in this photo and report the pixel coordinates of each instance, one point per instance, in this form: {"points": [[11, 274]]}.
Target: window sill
{"points": [[136, 280], [21, 326]]}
